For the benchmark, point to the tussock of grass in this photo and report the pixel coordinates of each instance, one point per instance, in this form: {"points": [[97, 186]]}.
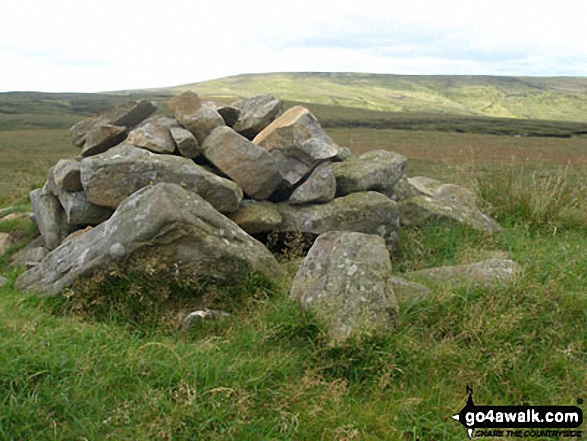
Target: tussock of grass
{"points": [[539, 198]]}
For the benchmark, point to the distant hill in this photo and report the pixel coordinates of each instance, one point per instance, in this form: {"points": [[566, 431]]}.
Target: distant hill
{"points": [[474, 104], [560, 99]]}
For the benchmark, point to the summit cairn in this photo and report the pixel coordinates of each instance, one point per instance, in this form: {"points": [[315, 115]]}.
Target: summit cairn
{"points": [[203, 191]]}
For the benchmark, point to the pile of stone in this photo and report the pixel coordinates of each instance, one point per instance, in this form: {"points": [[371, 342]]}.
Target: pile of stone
{"points": [[190, 190]]}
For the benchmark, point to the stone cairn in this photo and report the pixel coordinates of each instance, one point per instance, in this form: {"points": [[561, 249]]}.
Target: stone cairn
{"points": [[190, 191]]}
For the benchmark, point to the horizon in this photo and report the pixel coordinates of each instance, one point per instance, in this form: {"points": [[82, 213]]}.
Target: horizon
{"points": [[297, 73]]}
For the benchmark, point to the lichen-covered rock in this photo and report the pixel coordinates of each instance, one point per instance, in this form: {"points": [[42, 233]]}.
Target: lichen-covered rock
{"points": [[367, 212], [250, 166], [257, 217], [50, 217], [5, 242], [407, 291], [67, 175], [255, 114], [81, 212], [490, 272], [200, 120], [154, 134], [377, 170], [420, 210], [187, 144], [111, 177], [320, 187], [103, 137], [421, 185], [164, 223], [345, 281], [127, 115]]}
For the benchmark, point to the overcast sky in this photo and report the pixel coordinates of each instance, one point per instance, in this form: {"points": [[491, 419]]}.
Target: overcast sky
{"points": [[90, 45]]}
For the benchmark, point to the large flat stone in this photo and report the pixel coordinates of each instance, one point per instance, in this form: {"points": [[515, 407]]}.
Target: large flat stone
{"points": [[110, 178], [165, 223]]}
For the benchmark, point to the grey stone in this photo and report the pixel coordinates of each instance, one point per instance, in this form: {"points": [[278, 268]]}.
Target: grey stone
{"points": [[366, 212], [345, 281], [256, 113], [291, 168], [154, 135], [163, 223], [126, 115], [67, 175], [258, 217], [80, 211], [377, 170], [421, 185], [3, 281], [250, 166], [186, 142], [490, 272], [101, 138], [320, 187], [198, 119], [50, 217], [201, 315], [420, 210], [113, 176], [5, 242]]}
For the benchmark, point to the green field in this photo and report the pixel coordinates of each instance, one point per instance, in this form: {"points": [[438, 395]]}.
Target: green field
{"points": [[107, 362]]}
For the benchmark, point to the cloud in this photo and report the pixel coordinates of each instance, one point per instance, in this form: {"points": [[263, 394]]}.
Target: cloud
{"points": [[107, 45]]}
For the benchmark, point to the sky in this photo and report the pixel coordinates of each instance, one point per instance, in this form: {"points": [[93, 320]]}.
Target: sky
{"points": [[92, 46]]}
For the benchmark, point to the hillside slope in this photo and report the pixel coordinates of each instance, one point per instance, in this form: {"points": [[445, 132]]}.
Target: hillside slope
{"points": [[562, 99]]}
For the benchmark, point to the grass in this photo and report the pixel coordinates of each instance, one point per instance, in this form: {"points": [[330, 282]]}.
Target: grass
{"points": [[105, 362]]}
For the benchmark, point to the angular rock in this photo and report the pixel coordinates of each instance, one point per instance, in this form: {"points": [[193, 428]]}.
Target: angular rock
{"points": [[184, 104], [198, 119], [29, 256], [165, 223], [401, 190], [186, 142], [110, 178], [421, 185], [368, 212], [320, 187], [490, 272], [344, 153], [256, 113], [377, 170], [345, 281], [81, 212], [291, 168], [50, 217], [67, 176], [201, 315], [298, 134], [259, 217], [230, 114], [420, 210], [102, 138], [5, 242], [127, 115], [250, 166], [154, 135]]}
